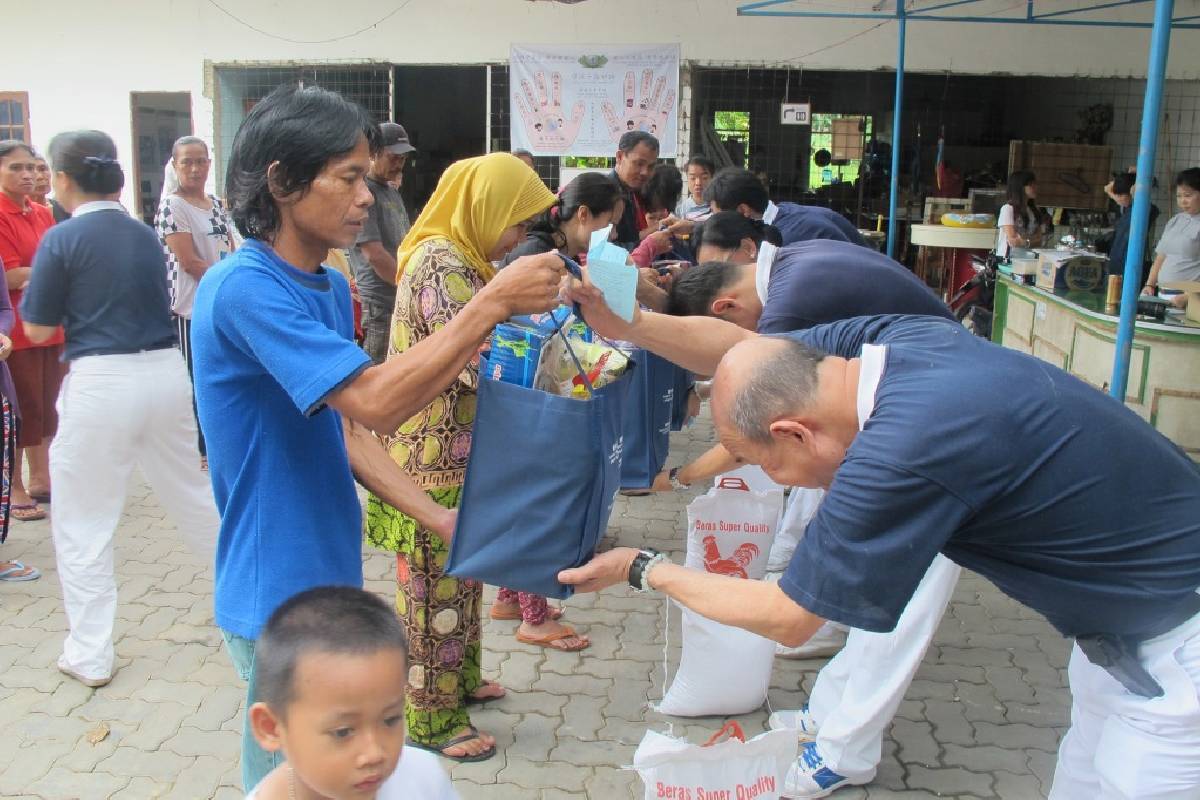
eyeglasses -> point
(188, 163)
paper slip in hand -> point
(615, 279)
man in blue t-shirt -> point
(286, 399)
(1021, 485)
(737, 189)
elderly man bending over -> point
(1066, 500)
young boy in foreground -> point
(331, 675)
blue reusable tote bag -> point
(684, 381)
(648, 420)
(540, 483)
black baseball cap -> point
(395, 138)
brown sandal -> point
(507, 616)
(548, 640)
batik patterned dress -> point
(441, 613)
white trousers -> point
(1123, 746)
(857, 693)
(116, 412)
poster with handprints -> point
(577, 100)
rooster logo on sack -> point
(734, 566)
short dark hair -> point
(692, 293)
(704, 162)
(328, 619)
(732, 186)
(595, 190)
(631, 139)
(663, 188)
(301, 129)
(1190, 178)
(1123, 182)
(9, 146)
(90, 159)
(727, 229)
(783, 381)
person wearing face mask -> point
(37, 369)
(481, 209)
(1178, 253)
(374, 254)
(587, 204)
(195, 233)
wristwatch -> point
(676, 484)
(646, 558)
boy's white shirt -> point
(419, 774)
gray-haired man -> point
(1024, 486)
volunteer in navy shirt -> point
(1064, 498)
(744, 280)
(127, 401)
(285, 396)
(737, 189)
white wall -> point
(94, 56)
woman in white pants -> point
(126, 400)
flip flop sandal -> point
(472, 733)
(507, 616)
(37, 512)
(40, 497)
(17, 572)
(636, 492)
(471, 700)
(547, 641)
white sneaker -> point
(801, 721)
(827, 641)
(810, 778)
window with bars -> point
(239, 88)
(14, 116)
(976, 116)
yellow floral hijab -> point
(475, 200)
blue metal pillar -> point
(892, 226)
(1160, 40)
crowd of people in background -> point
(304, 331)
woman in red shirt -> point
(37, 370)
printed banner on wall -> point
(577, 100)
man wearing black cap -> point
(374, 253)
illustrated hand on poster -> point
(547, 127)
(648, 114)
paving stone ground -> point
(982, 719)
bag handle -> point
(732, 728)
(733, 483)
(577, 272)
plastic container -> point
(514, 354)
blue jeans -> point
(256, 762)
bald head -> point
(760, 380)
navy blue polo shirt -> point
(103, 277)
(798, 223)
(825, 280)
(1063, 497)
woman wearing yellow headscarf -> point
(479, 211)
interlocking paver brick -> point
(953, 780)
(570, 720)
